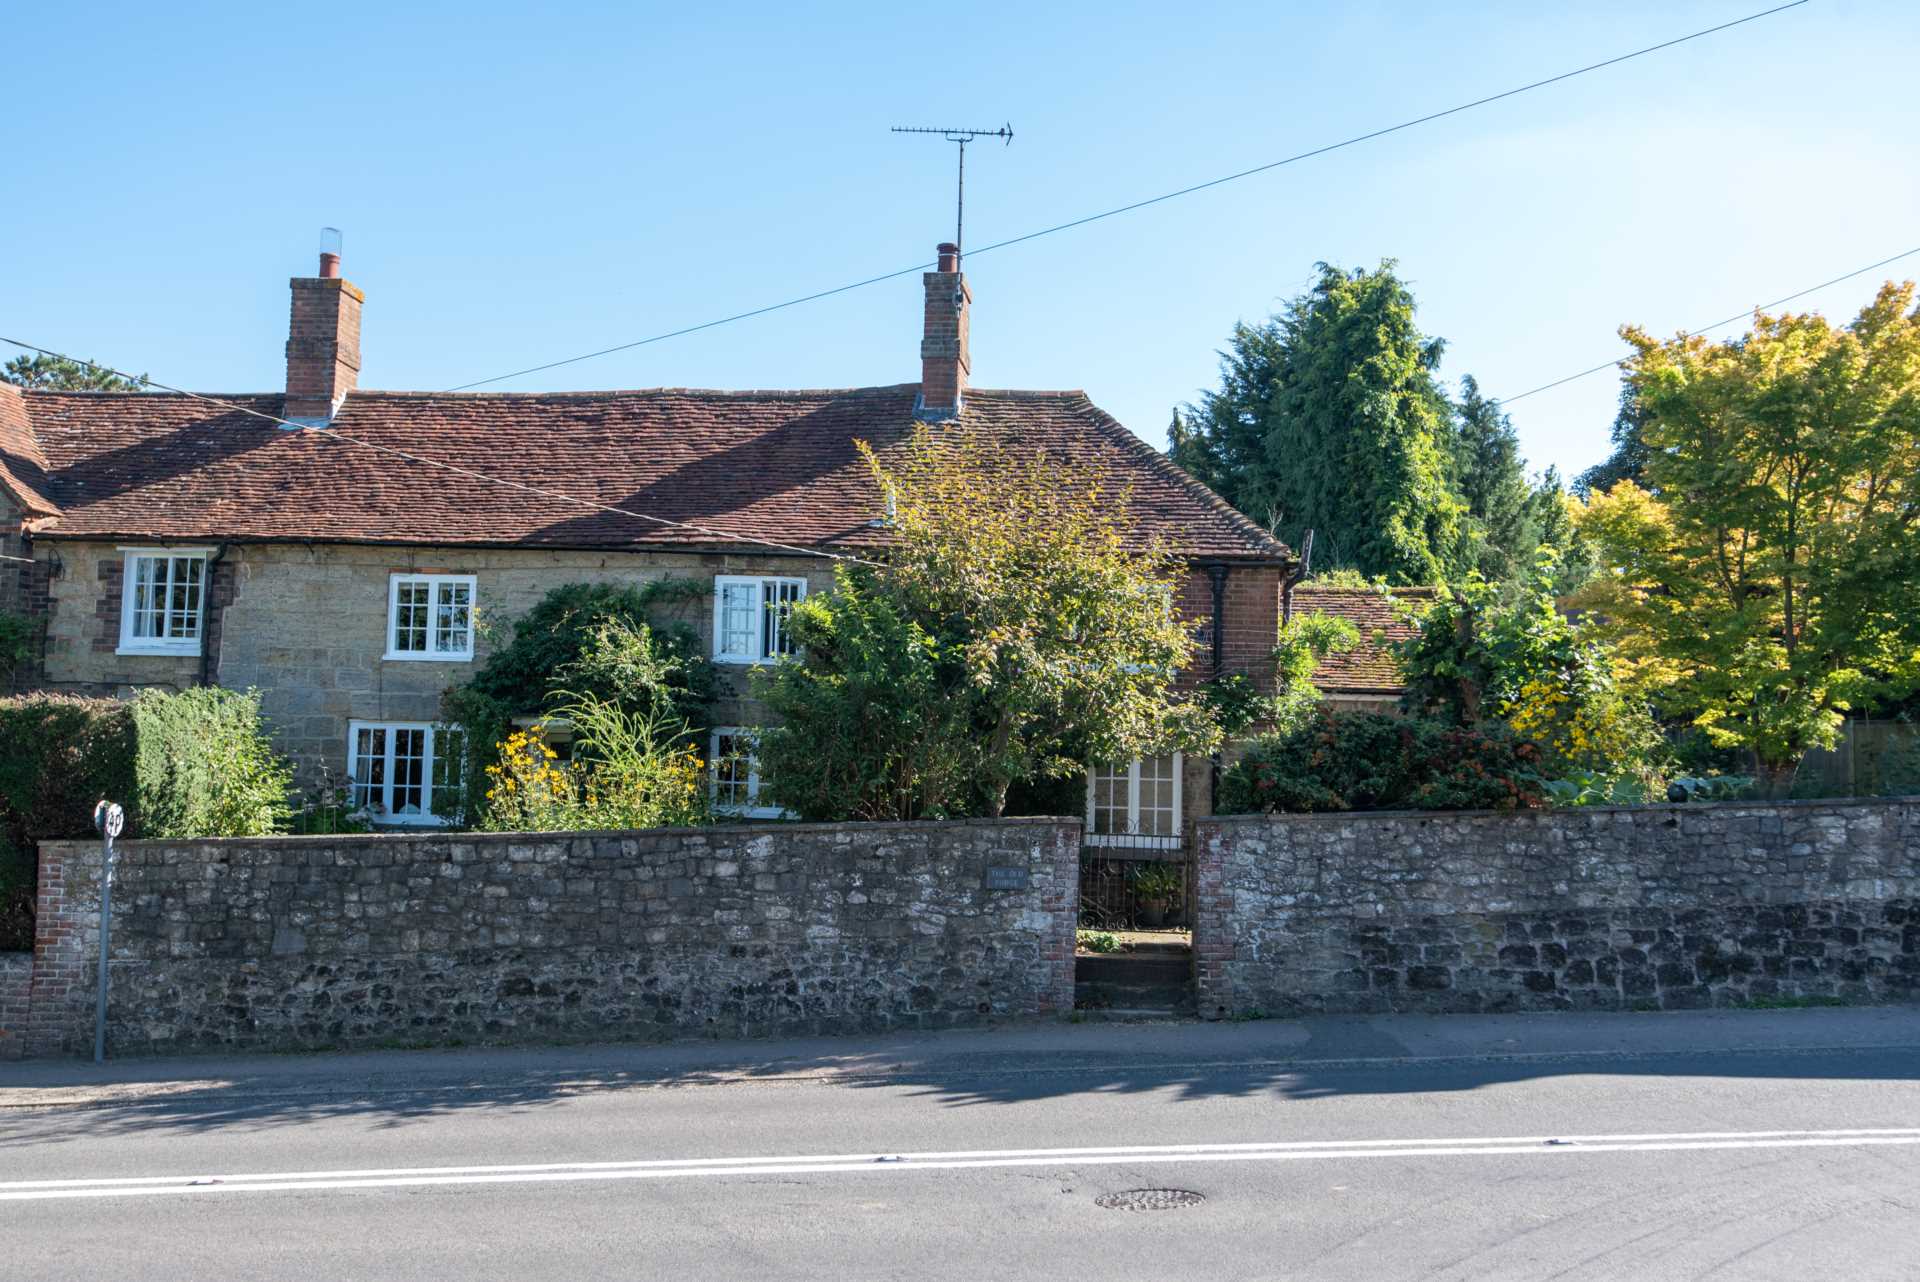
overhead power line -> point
(455, 468)
(1702, 329)
(1142, 204)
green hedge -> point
(1370, 761)
(58, 756)
(195, 764)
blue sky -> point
(519, 183)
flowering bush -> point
(626, 774)
(1369, 761)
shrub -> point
(628, 771)
(58, 756)
(204, 766)
(586, 639)
(1370, 761)
(195, 764)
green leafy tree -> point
(1485, 654)
(1628, 462)
(1016, 633)
(1767, 578)
(58, 374)
(1502, 510)
(1329, 416)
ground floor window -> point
(404, 772)
(1136, 803)
(734, 775)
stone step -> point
(1168, 969)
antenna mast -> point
(963, 137)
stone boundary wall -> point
(1651, 907)
(302, 942)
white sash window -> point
(750, 617)
(162, 601)
(397, 768)
(1135, 804)
(430, 616)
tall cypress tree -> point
(1491, 480)
(1329, 416)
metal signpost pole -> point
(108, 819)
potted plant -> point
(1154, 886)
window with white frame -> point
(162, 600)
(750, 617)
(404, 772)
(1136, 803)
(734, 774)
(430, 616)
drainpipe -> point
(206, 614)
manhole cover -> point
(1149, 1200)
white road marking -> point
(856, 1163)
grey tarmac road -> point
(1711, 1144)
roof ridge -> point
(1260, 539)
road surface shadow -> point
(411, 1094)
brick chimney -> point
(323, 342)
(943, 346)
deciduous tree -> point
(1016, 632)
(1771, 578)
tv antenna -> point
(963, 137)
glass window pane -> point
(369, 768)
(409, 771)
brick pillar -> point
(1213, 940)
(65, 942)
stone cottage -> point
(340, 549)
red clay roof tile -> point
(747, 465)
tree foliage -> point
(1371, 761)
(588, 641)
(1486, 654)
(1767, 576)
(1628, 461)
(1330, 416)
(1016, 633)
(58, 374)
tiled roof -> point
(749, 465)
(1368, 668)
(23, 468)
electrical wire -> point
(455, 468)
(1140, 204)
(1737, 316)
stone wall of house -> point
(306, 626)
(736, 931)
(1656, 907)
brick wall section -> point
(1661, 907)
(66, 949)
(16, 985)
(739, 931)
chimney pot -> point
(949, 254)
(329, 266)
